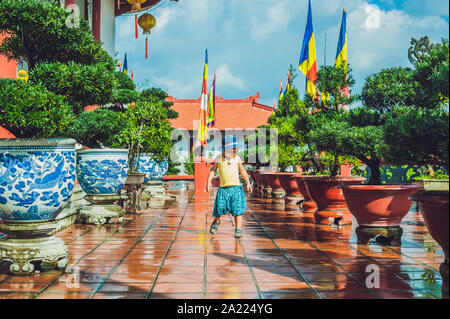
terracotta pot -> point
(328, 195)
(274, 183)
(434, 209)
(289, 183)
(379, 205)
(308, 205)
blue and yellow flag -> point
(202, 128)
(125, 65)
(341, 54)
(308, 62)
(212, 105)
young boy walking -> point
(230, 197)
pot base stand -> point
(102, 211)
(336, 217)
(384, 235)
(29, 248)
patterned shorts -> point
(229, 200)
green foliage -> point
(388, 88)
(355, 133)
(39, 33)
(333, 80)
(160, 95)
(125, 96)
(419, 136)
(29, 111)
(98, 128)
(124, 81)
(432, 77)
(147, 130)
(189, 165)
(81, 84)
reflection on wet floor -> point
(167, 252)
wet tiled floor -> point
(167, 252)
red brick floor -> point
(168, 252)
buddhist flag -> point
(341, 54)
(212, 105)
(308, 63)
(125, 65)
(202, 135)
(288, 82)
(274, 107)
(280, 96)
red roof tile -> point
(230, 114)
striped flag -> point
(212, 105)
(288, 82)
(280, 96)
(341, 54)
(308, 62)
(202, 135)
(274, 107)
(125, 65)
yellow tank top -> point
(229, 171)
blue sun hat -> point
(230, 143)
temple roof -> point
(244, 113)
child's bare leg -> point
(238, 220)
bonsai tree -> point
(32, 111)
(333, 83)
(419, 134)
(66, 60)
(293, 149)
(147, 130)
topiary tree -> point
(29, 111)
(40, 31)
(388, 88)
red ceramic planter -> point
(379, 205)
(434, 209)
(274, 183)
(308, 205)
(289, 183)
(328, 195)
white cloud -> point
(163, 18)
(226, 79)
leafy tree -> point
(157, 93)
(388, 88)
(419, 136)
(97, 128)
(38, 33)
(29, 111)
(81, 84)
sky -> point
(252, 43)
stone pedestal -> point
(268, 192)
(291, 202)
(384, 235)
(155, 189)
(278, 194)
(103, 210)
(29, 247)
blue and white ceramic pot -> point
(152, 169)
(102, 171)
(37, 177)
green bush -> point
(97, 128)
(31, 111)
(388, 88)
(39, 33)
(82, 84)
(419, 136)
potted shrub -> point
(37, 175)
(420, 135)
(323, 178)
(44, 107)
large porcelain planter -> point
(379, 205)
(330, 200)
(289, 183)
(308, 205)
(102, 171)
(37, 177)
(152, 169)
(434, 209)
(262, 184)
